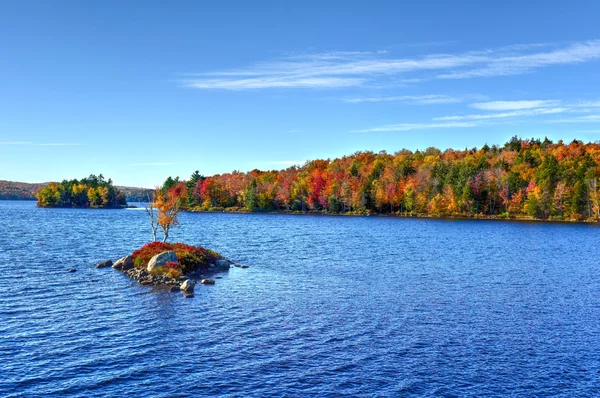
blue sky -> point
(140, 90)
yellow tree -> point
(169, 207)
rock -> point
(222, 263)
(161, 259)
(71, 270)
(174, 289)
(218, 277)
(104, 264)
(211, 265)
(146, 282)
(237, 265)
(207, 281)
(124, 263)
(244, 266)
(188, 294)
(188, 285)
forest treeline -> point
(12, 190)
(93, 191)
(522, 178)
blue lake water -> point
(330, 306)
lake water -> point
(330, 306)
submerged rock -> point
(71, 270)
(104, 264)
(174, 289)
(207, 281)
(161, 259)
(124, 263)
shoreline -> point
(409, 216)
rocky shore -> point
(153, 275)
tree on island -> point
(93, 191)
(168, 201)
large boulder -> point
(124, 263)
(161, 259)
(104, 264)
(188, 286)
(221, 265)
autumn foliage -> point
(523, 178)
(190, 257)
(93, 191)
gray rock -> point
(188, 294)
(244, 266)
(104, 264)
(237, 265)
(211, 265)
(174, 289)
(222, 263)
(188, 285)
(161, 259)
(207, 281)
(124, 263)
(71, 270)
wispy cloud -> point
(152, 164)
(412, 99)
(579, 119)
(417, 126)
(15, 143)
(530, 112)
(352, 69)
(514, 105)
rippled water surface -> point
(330, 306)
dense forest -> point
(10, 190)
(522, 178)
(93, 191)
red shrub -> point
(190, 257)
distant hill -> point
(136, 194)
(13, 190)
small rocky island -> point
(176, 266)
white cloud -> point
(579, 119)
(417, 126)
(530, 112)
(514, 105)
(413, 99)
(351, 69)
(15, 143)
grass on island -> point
(191, 258)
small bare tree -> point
(169, 206)
(151, 214)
